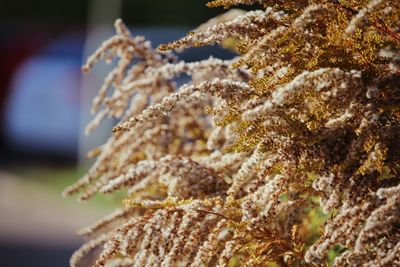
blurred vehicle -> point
(42, 109)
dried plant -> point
(279, 157)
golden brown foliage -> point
(234, 167)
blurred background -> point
(44, 106)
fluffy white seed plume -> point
(232, 166)
(189, 93)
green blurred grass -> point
(56, 179)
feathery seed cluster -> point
(286, 154)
